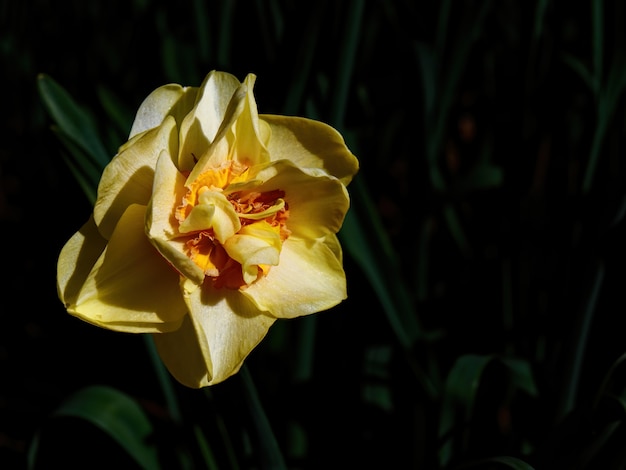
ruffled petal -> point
(255, 245)
(317, 204)
(214, 211)
(200, 127)
(310, 144)
(128, 178)
(131, 287)
(76, 260)
(308, 279)
(222, 329)
(161, 223)
(249, 136)
(168, 100)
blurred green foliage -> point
(483, 246)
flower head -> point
(211, 222)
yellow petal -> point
(249, 136)
(213, 341)
(220, 149)
(255, 244)
(131, 287)
(308, 279)
(214, 211)
(76, 259)
(128, 178)
(317, 204)
(161, 223)
(310, 144)
(200, 127)
(168, 100)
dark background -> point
(534, 270)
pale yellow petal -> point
(131, 286)
(317, 204)
(128, 178)
(200, 127)
(310, 144)
(76, 260)
(308, 279)
(222, 330)
(161, 222)
(220, 149)
(186, 355)
(214, 211)
(255, 244)
(168, 100)
(249, 145)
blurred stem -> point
(171, 400)
(227, 442)
(304, 59)
(579, 341)
(596, 145)
(164, 380)
(597, 29)
(271, 454)
(442, 27)
(346, 62)
(225, 33)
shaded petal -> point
(168, 100)
(317, 204)
(76, 260)
(186, 355)
(131, 287)
(308, 279)
(220, 149)
(200, 127)
(310, 144)
(213, 341)
(128, 178)
(161, 222)
(249, 136)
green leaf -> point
(459, 396)
(119, 114)
(363, 241)
(76, 123)
(521, 375)
(116, 414)
(461, 388)
(483, 177)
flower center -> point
(234, 232)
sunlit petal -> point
(128, 178)
(161, 223)
(255, 244)
(308, 279)
(310, 144)
(199, 128)
(168, 100)
(224, 326)
(249, 146)
(215, 212)
(317, 205)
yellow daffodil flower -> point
(211, 222)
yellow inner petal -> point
(233, 233)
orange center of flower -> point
(233, 231)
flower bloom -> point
(211, 222)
